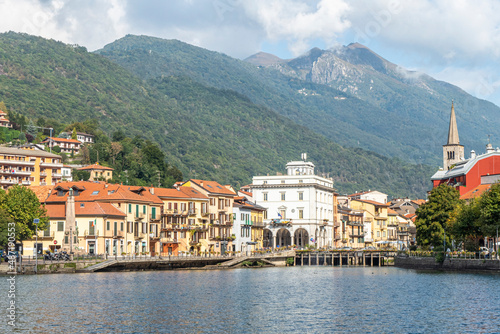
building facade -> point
(300, 207)
(28, 167)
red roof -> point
(179, 192)
(96, 167)
(62, 140)
(213, 187)
(476, 192)
(84, 209)
(42, 192)
(96, 191)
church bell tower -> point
(453, 152)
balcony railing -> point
(46, 235)
(337, 236)
(192, 212)
(166, 240)
(118, 234)
(15, 172)
(56, 175)
(354, 223)
(51, 164)
(205, 214)
(91, 233)
(16, 162)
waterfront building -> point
(105, 218)
(375, 220)
(28, 167)
(404, 206)
(466, 174)
(300, 207)
(185, 220)
(220, 210)
(247, 225)
(351, 232)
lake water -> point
(312, 299)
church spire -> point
(453, 131)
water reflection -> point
(272, 300)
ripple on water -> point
(272, 300)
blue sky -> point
(452, 40)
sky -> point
(456, 41)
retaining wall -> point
(429, 263)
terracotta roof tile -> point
(213, 187)
(476, 192)
(95, 166)
(62, 140)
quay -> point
(279, 258)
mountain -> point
(206, 132)
(419, 103)
(350, 95)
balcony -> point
(10, 181)
(336, 224)
(392, 224)
(57, 175)
(324, 221)
(337, 236)
(192, 212)
(46, 235)
(25, 183)
(92, 234)
(205, 214)
(140, 215)
(17, 162)
(15, 172)
(167, 240)
(358, 234)
(51, 164)
(140, 235)
(118, 234)
(354, 223)
(392, 237)
(43, 173)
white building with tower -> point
(301, 206)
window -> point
(144, 209)
(60, 226)
(301, 214)
(265, 214)
(282, 213)
(378, 234)
(301, 196)
(130, 208)
(265, 196)
(242, 216)
(121, 226)
(384, 234)
(153, 213)
(95, 192)
(283, 196)
(107, 225)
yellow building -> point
(375, 220)
(185, 221)
(29, 167)
(108, 219)
(220, 210)
(98, 172)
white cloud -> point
(298, 22)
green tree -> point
(489, 204)
(73, 134)
(466, 226)
(434, 216)
(22, 206)
(31, 129)
(4, 225)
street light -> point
(50, 135)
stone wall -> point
(429, 263)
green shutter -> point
(153, 213)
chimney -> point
(105, 185)
(152, 190)
(201, 183)
(489, 148)
(472, 154)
